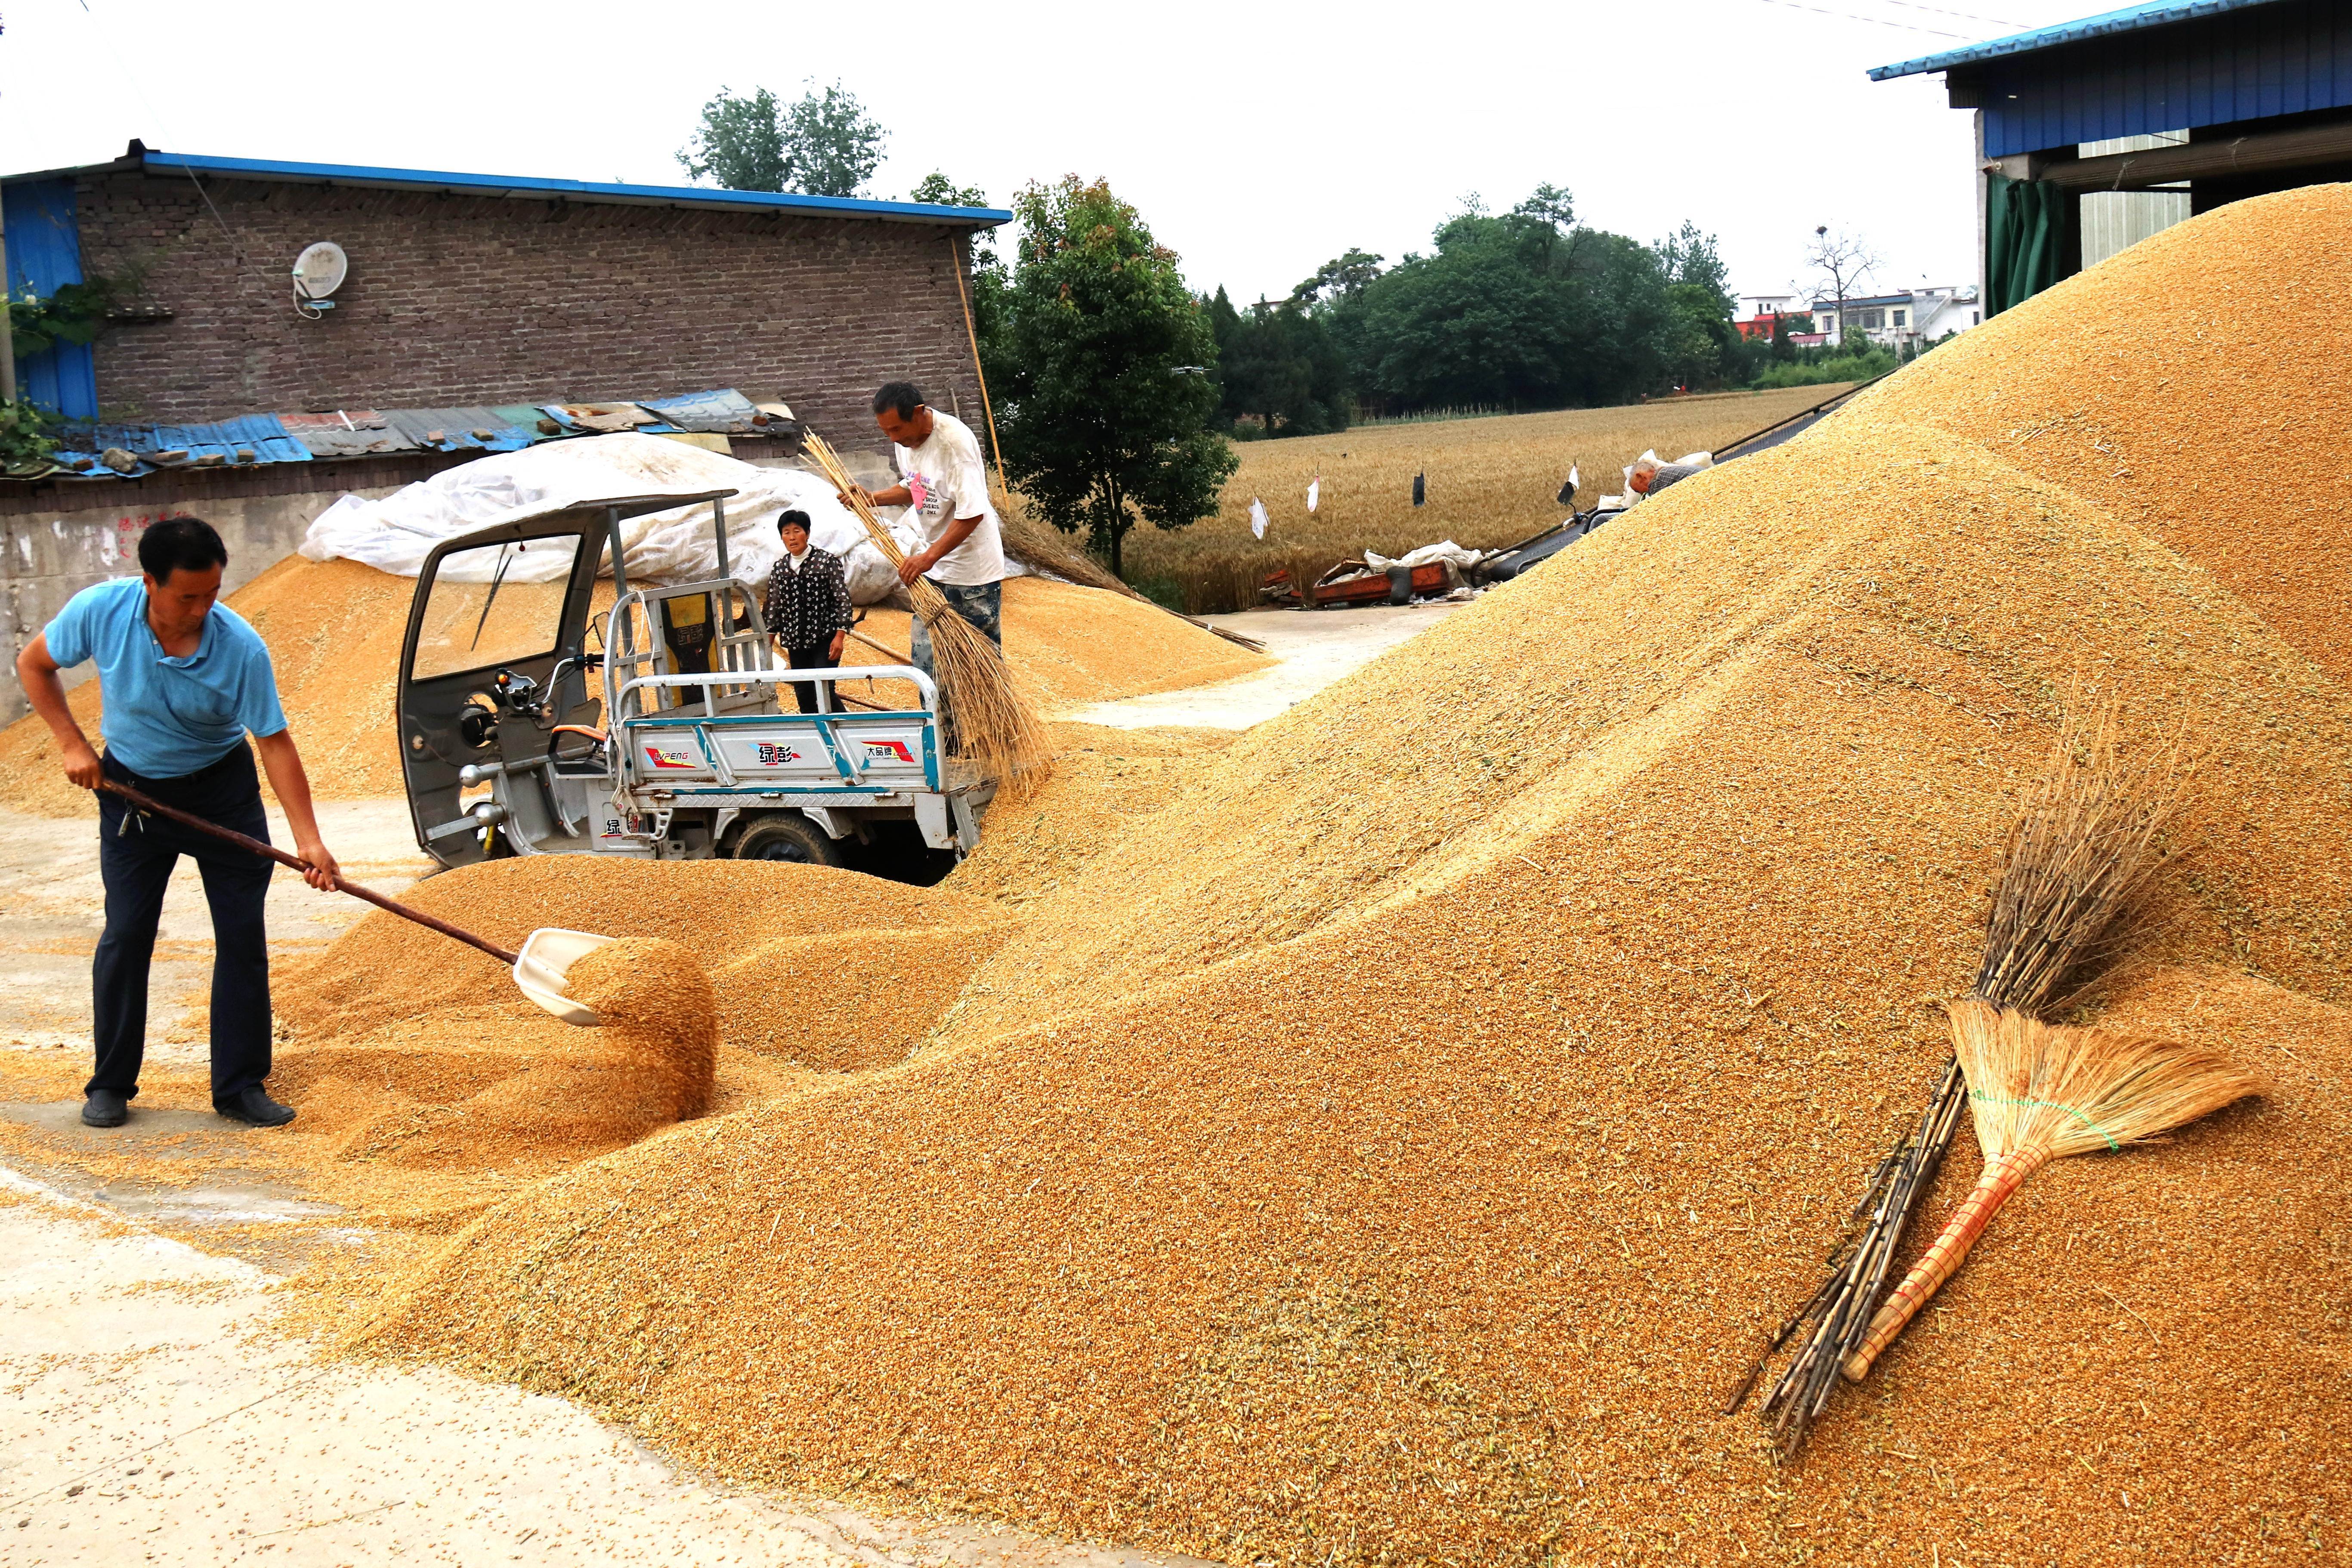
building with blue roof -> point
(2093, 134)
(465, 294)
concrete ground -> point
(158, 1414)
(155, 1416)
(1316, 648)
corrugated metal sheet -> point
(724, 412)
(605, 418)
(2247, 61)
(476, 429)
(251, 441)
(532, 421)
(347, 433)
(44, 253)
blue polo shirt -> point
(163, 716)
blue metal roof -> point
(2212, 63)
(568, 190)
(2131, 18)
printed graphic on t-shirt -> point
(927, 498)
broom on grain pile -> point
(994, 724)
(2080, 866)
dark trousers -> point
(135, 857)
(818, 657)
(981, 603)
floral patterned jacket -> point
(805, 608)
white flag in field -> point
(1314, 491)
(1257, 517)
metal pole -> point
(7, 332)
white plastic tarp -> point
(396, 533)
(1426, 556)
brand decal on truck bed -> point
(672, 757)
(875, 750)
(774, 754)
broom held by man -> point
(183, 680)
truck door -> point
(492, 663)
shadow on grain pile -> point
(1392, 1147)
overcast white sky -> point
(1258, 141)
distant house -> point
(1766, 312)
(1919, 316)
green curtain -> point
(2025, 239)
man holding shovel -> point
(183, 678)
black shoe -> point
(104, 1108)
(255, 1108)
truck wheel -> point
(785, 836)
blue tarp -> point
(43, 255)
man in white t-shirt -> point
(946, 484)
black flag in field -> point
(1419, 489)
(1567, 496)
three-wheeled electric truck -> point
(536, 718)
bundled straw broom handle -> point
(2002, 1178)
(342, 885)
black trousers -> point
(818, 657)
(135, 857)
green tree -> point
(940, 191)
(1521, 309)
(826, 144)
(1102, 406)
(1690, 258)
(1279, 364)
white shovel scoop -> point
(546, 959)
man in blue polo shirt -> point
(182, 679)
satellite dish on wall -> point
(320, 271)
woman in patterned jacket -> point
(808, 607)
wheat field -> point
(1492, 482)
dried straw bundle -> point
(995, 725)
(2078, 871)
(2040, 1093)
(2078, 868)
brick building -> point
(481, 289)
(464, 293)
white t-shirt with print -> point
(948, 482)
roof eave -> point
(2131, 19)
(528, 189)
(516, 188)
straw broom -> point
(994, 724)
(2041, 1092)
(2080, 865)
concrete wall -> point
(51, 556)
(462, 299)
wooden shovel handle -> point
(243, 841)
(2000, 1179)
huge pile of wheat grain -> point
(1391, 1148)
